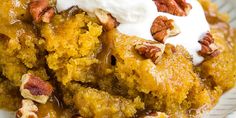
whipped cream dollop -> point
(136, 18)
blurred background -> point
(226, 108)
(228, 6)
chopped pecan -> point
(72, 11)
(175, 7)
(107, 20)
(28, 110)
(209, 48)
(35, 88)
(163, 28)
(41, 11)
(156, 115)
(3, 36)
(76, 116)
(151, 50)
(170, 49)
(48, 15)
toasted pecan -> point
(163, 28)
(155, 115)
(41, 11)
(208, 46)
(107, 20)
(48, 15)
(35, 88)
(28, 110)
(175, 7)
(151, 51)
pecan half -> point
(163, 28)
(28, 110)
(107, 20)
(175, 7)
(151, 51)
(209, 48)
(41, 11)
(35, 88)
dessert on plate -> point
(114, 58)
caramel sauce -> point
(54, 108)
(105, 56)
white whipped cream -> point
(136, 18)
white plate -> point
(7, 114)
(227, 103)
(226, 106)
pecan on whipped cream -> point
(175, 7)
(209, 48)
(163, 28)
(107, 20)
